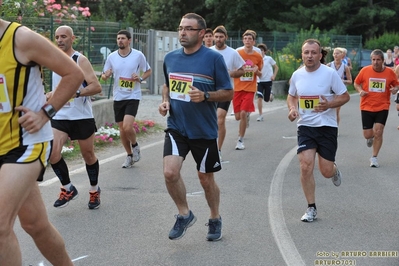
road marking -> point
(80, 258)
(104, 161)
(278, 226)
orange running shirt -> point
(247, 82)
(378, 85)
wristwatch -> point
(141, 79)
(206, 96)
(49, 110)
(77, 93)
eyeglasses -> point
(187, 29)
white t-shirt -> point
(75, 108)
(267, 70)
(232, 59)
(308, 87)
(123, 68)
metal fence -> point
(96, 39)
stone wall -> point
(280, 88)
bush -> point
(386, 41)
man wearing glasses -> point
(196, 78)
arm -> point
(222, 95)
(358, 88)
(275, 71)
(348, 75)
(237, 73)
(292, 103)
(93, 85)
(164, 107)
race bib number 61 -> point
(179, 86)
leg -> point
(87, 150)
(307, 161)
(260, 105)
(174, 183)
(128, 134)
(338, 117)
(221, 127)
(23, 198)
(34, 221)
(378, 133)
(59, 140)
(243, 123)
(327, 168)
(212, 193)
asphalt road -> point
(261, 203)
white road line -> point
(278, 226)
(109, 159)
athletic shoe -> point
(370, 142)
(240, 145)
(248, 118)
(136, 154)
(94, 202)
(374, 162)
(336, 179)
(232, 113)
(309, 215)
(260, 118)
(128, 162)
(214, 229)
(65, 197)
(181, 225)
(271, 97)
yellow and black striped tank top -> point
(19, 85)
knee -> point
(5, 231)
(171, 175)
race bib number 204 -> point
(179, 86)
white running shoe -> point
(260, 118)
(309, 215)
(374, 162)
(128, 162)
(240, 145)
(370, 142)
(136, 154)
(336, 179)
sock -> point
(68, 187)
(92, 172)
(312, 205)
(240, 139)
(130, 155)
(61, 170)
(186, 216)
(134, 145)
(94, 188)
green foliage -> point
(387, 40)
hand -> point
(163, 108)
(323, 105)
(135, 77)
(31, 121)
(363, 93)
(293, 114)
(49, 95)
(108, 73)
(196, 95)
(394, 89)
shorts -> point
(323, 139)
(264, 90)
(205, 151)
(224, 105)
(76, 129)
(243, 101)
(29, 154)
(370, 118)
(125, 107)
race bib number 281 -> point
(179, 86)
